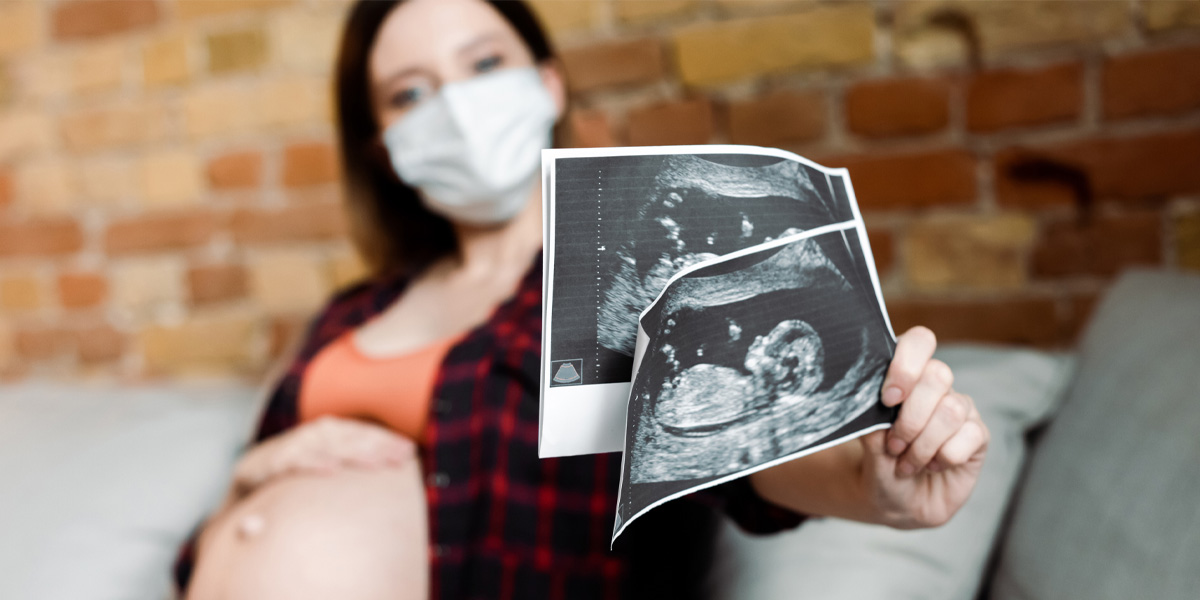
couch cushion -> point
(1111, 507)
(101, 484)
(834, 559)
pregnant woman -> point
(397, 457)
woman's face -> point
(425, 44)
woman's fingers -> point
(933, 384)
(913, 350)
(949, 416)
(970, 439)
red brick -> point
(6, 188)
(670, 123)
(85, 19)
(81, 290)
(1161, 82)
(1014, 97)
(590, 129)
(910, 180)
(1130, 168)
(777, 119)
(309, 221)
(1014, 320)
(898, 107)
(216, 283)
(883, 248)
(612, 64)
(43, 343)
(99, 344)
(1101, 247)
(40, 238)
(309, 164)
(235, 170)
(160, 232)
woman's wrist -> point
(828, 483)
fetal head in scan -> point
(752, 364)
(695, 210)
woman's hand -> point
(321, 447)
(921, 471)
(916, 474)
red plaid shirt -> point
(502, 522)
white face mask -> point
(474, 150)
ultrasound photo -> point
(625, 224)
(620, 223)
(754, 359)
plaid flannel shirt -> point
(504, 523)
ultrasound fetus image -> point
(754, 359)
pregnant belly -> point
(306, 536)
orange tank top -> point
(393, 391)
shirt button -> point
(438, 550)
(439, 480)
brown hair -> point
(391, 228)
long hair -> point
(391, 228)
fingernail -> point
(905, 469)
(891, 395)
(896, 446)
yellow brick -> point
(23, 133)
(123, 124)
(170, 178)
(975, 252)
(165, 60)
(293, 101)
(219, 110)
(8, 350)
(97, 68)
(48, 187)
(22, 23)
(197, 9)
(233, 51)
(564, 16)
(1012, 26)
(45, 75)
(345, 268)
(933, 48)
(7, 87)
(108, 181)
(307, 41)
(831, 36)
(640, 11)
(209, 344)
(144, 287)
(23, 291)
(1187, 241)
(288, 281)
(1171, 14)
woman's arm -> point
(917, 474)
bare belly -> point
(356, 534)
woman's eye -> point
(487, 64)
(406, 97)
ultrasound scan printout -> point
(751, 360)
(710, 311)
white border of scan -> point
(783, 241)
(585, 425)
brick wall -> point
(168, 186)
